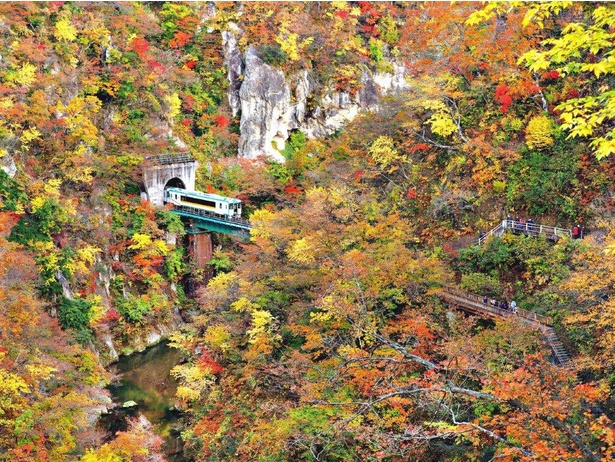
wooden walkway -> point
(474, 304)
(529, 229)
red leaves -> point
(179, 40)
(342, 14)
(503, 97)
(551, 75)
(190, 64)
(418, 147)
(111, 316)
(574, 93)
(222, 121)
(207, 363)
(292, 190)
(187, 122)
(140, 46)
(155, 65)
(411, 193)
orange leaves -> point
(179, 40)
(221, 121)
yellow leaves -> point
(538, 134)
(195, 381)
(78, 117)
(441, 123)
(383, 151)
(603, 147)
(102, 454)
(24, 76)
(40, 371)
(604, 16)
(11, 388)
(175, 104)
(29, 135)
(85, 258)
(97, 310)
(330, 308)
(140, 241)
(320, 317)
(64, 31)
(260, 220)
(534, 60)
(288, 43)
(186, 394)
(243, 305)
(217, 337)
(262, 324)
(222, 282)
(301, 251)
(539, 12)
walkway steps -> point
(474, 304)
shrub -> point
(11, 195)
(272, 54)
(479, 283)
(539, 133)
(74, 314)
(133, 309)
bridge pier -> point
(200, 248)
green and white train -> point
(212, 203)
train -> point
(225, 206)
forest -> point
(409, 128)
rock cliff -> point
(270, 110)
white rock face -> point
(8, 165)
(268, 113)
(234, 67)
(265, 102)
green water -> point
(145, 379)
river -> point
(145, 378)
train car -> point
(213, 203)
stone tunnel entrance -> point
(165, 171)
(175, 183)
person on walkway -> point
(504, 305)
(515, 226)
(513, 306)
(509, 222)
(576, 231)
(485, 300)
(530, 224)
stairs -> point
(474, 304)
(558, 348)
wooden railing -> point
(497, 311)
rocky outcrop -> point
(265, 102)
(269, 110)
(107, 349)
(234, 66)
(8, 165)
